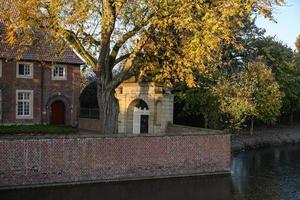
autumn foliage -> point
(112, 36)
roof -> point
(40, 53)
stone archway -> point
(138, 117)
(58, 110)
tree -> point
(297, 43)
(110, 35)
(251, 93)
(198, 103)
(282, 60)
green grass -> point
(34, 129)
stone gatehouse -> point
(144, 108)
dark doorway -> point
(58, 113)
(144, 123)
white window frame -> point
(30, 76)
(0, 69)
(59, 78)
(31, 98)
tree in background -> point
(282, 60)
(249, 94)
(110, 36)
(199, 103)
(297, 43)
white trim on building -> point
(24, 104)
(59, 72)
(24, 70)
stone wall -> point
(69, 159)
(159, 102)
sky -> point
(287, 27)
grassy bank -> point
(264, 137)
(34, 129)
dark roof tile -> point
(38, 53)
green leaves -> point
(251, 92)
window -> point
(24, 106)
(59, 72)
(0, 68)
(24, 70)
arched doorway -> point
(138, 117)
(58, 113)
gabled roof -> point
(41, 53)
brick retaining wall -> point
(38, 161)
(89, 124)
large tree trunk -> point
(108, 110)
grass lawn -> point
(34, 129)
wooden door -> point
(58, 113)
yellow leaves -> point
(188, 37)
(297, 43)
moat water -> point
(266, 174)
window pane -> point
(26, 96)
(55, 72)
(20, 96)
(21, 69)
(27, 69)
(26, 108)
(61, 71)
(20, 108)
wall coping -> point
(118, 136)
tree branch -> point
(76, 44)
(125, 37)
(129, 69)
(121, 58)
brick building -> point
(39, 88)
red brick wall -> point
(68, 88)
(61, 160)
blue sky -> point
(287, 27)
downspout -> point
(42, 92)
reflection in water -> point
(269, 174)
(166, 189)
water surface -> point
(267, 174)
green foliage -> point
(200, 102)
(252, 92)
(297, 43)
(283, 62)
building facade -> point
(39, 91)
(145, 108)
